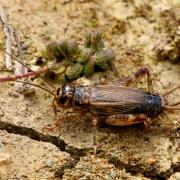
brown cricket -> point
(120, 104)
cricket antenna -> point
(28, 68)
(172, 106)
(23, 82)
(170, 91)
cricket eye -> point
(63, 98)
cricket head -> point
(63, 97)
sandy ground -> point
(32, 147)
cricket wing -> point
(112, 99)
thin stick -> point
(20, 76)
(19, 68)
(8, 34)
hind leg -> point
(131, 81)
(125, 119)
(128, 119)
(95, 122)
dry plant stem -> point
(8, 34)
(19, 67)
(20, 76)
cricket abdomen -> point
(152, 106)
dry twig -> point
(20, 69)
(7, 31)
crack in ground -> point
(78, 153)
(59, 143)
(33, 134)
(150, 172)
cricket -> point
(121, 104)
(89, 89)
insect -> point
(120, 104)
(117, 105)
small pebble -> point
(112, 174)
(151, 161)
(175, 176)
(107, 177)
(1, 144)
(25, 46)
(5, 159)
(49, 162)
(85, 158)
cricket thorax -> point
(81, 96)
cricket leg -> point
(60, 119)
(132, 80)
(53, 105)
(94, 122)
(126, 119)
(147, 124)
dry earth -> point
(141, 33)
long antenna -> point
(175, 104)
(28, 68)
(23, 82)
(173, 108)
(170, 91)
